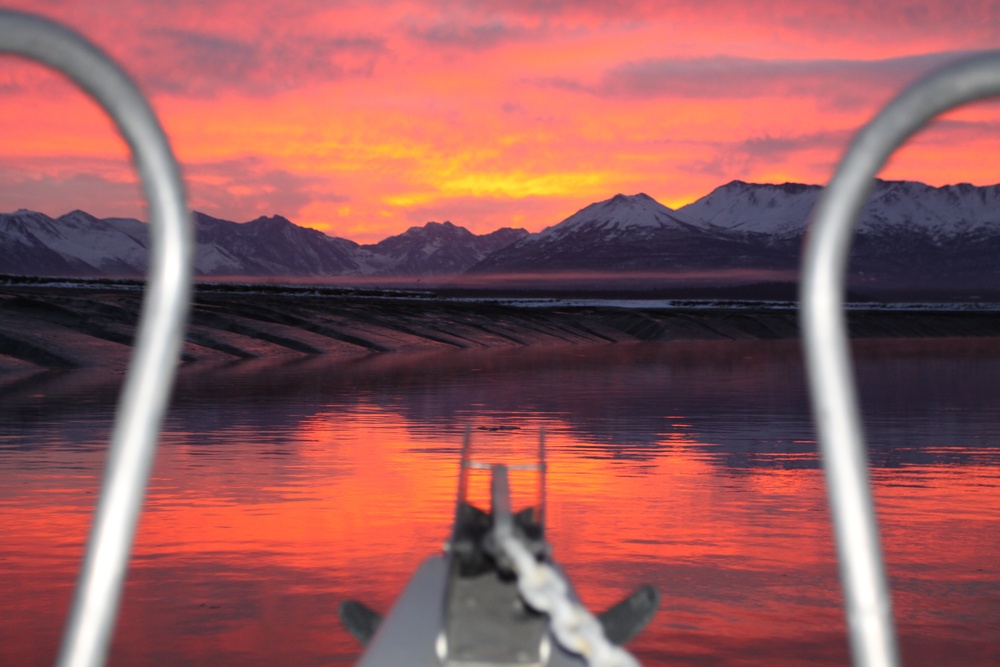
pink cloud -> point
(366, 118)
(843, 82)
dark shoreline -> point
(48, 327)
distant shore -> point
(91, 326)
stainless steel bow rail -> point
(828, 361)
(159, 335)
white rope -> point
(546, 590)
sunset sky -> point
(365, 118)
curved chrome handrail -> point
(828, 360)
(159, 335)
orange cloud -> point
(364, 122)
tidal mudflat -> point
(53, 327)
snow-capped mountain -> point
(75, 244)
(617, 217)
(898, 206)
(750, 208)
(908, 234)
(78, 244)
(624, 233)
(271, 246)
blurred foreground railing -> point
(158, 338)
(828, 360)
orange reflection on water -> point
(354, 493)
(372, 502)
(258, 527)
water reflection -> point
(282, 488)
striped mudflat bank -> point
(93, 326)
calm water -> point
(282, 488)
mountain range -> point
(909, 234)
(79, 244)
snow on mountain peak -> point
(939, 212)
(779, 209)
(784, 210)
(738, 225)
(620, 214)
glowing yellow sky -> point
(365, 118)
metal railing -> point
(159, 335)
(828, 359)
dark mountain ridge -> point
(79, 244)
(910, 235)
